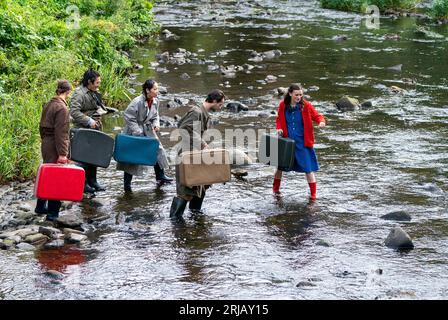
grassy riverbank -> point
(360, 5)
(438, 9)
(42, 41)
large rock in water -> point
(69, 220)
(397, 216)
(399, 239)
(236, 107)
(348, 104)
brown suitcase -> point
(204, 167)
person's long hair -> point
(287, 99)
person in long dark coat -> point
(196, 115)
(53, 128)
(86, 110)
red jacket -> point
(309, 114)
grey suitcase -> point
(91, 147)
(277, 151)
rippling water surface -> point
(249, 244)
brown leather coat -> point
(54, 126)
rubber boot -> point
(160, 175)
(195, 204)
(177, 207)
(41, 207)
(276, 185)
(127, 182)
(93, 182)
(313, 190)
(87, 188)
(53, 209)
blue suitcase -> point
(91, 147)
(136, 149)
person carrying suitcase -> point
(195, 122)
(295, 121)
(142, 119)
(53, 129)
(86, 110)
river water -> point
(390, 157)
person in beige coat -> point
(142, 119)
(53, 128)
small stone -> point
(75, 238)
(54, 244)
(53, 233)
(36, 238)
(185, 76)
(163, 90)
(23, 233)
(8, 243)
(68, 230)
(396, 68)
(25, 207)
(397, 216)
(281, 91)
(396, 89)
(322, 243)
(68, 220)
(347, 104)
(25, 246)
(55, 274)
(366, 105)
(138, 66)
(239, 173)
(399, 239)
(302, 284)
(271, 78)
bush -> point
(439, 9)
(37, 48)
(360, 5)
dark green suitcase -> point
(91, 147)
(277, 151)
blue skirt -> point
(305, 158)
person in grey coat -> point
(142, 119)
(86, 110)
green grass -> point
(360, 5)
(37, 48)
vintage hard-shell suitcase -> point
(204, 167)
(277, 151)
(136, 149)
(59, 182)
(91, 147)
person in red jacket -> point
(295, 121)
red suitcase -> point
(59, 182)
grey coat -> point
(141, 121)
